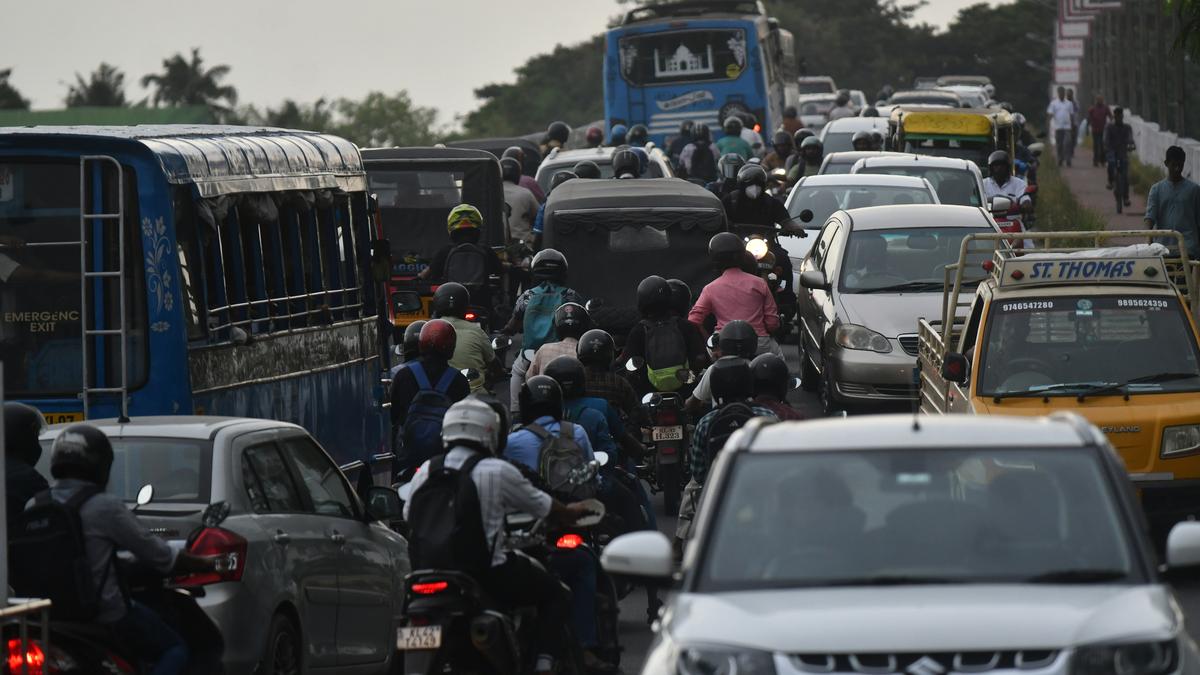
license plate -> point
(62, 417)
(418, 637)
(674, 433)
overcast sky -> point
(439, 50)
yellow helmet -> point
(463, 216)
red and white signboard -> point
(1068, 48)
(1066, 71)
(1102, 4)
(1074, 29)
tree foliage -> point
(104, 87)
(10, 98)
(378, 120)
(187, 82)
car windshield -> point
(816, 87)
(838, 142)
(683, 56)
(1072, 345)
(953, 186)
(817, 107)
(823, 200)
(960, 148)
(924, 99)
(179, 469)
(872, 518)
(911, 259)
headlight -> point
(1139, 658)
(757, 248)
(851, 336)
(724, 661)
(1180, 440)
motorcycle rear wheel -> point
(672, 487)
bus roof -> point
(693, 9)
(216, 159)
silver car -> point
(317, 581)
(870, 275)
(957, 181)
(657, 166)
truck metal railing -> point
(931, 386)
(31, 655)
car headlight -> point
(1138, 658)
(851, 336)
(1180, 440)
(724, 661)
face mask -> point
(753, 191)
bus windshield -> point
(683, 56)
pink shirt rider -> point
(737, 295)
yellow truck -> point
(1106, 331)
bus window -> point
(683, 56)
(191, 275)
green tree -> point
(188, 82)
(292, 115)
(380, 120)
(10, 98)
(104, 87)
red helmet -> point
(595, 136)
(438, 339)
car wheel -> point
(284, 653)
(808, 372)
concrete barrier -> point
(1152, 144)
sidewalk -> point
(1087, 184)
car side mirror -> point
(955, 367)
(806, 216)
(1000, 204)
(645, 554)
(1183, 545)
(814, 279)
(383, 504)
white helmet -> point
(989, 89)
(471, 421)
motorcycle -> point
(668, 436)
(761, 245)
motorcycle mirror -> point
(500, 343)
(145, 494)
(601, 457)
(713, 342)
(471, 374)
(593, 304)
(528, 354)
(795, 383)
(398, 350)
(806, 216)
(647, 399)
(635, 364)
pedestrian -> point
(1074, 123)
(1058, 120)
(1118, 141)
(1098, 116)
(1174, 203)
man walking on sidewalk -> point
(1058, 115)
(1174, 203)
(1118, 140)
(1098, 116)
(1074, 138)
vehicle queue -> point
(459, 432)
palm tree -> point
(104, 87)
(185, 82)
(10, 98)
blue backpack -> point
(538, 326)
(421, 436)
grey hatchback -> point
(316, 582)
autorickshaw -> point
(966, 133)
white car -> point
(929, 546)
(972, 96)
(814, 109)
(659, 165)
(838, 134)
(957, 181)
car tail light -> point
(29, 655)
(430, 588)
(569, 541)
(230, 550)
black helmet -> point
(22, 426)
(752, 174)
(587, 169)
(861, 140)
(729, 165)
(561, 177)
(82, 451)
(514, 151)
(731, 380)
(790, 112)
(571, 320)
(801, 134)
(681, 297)
(770, 375)
(596, 348)
(510, 168)
(812, 142)
(501, 411)
(876, 139)
(998, 157)
(558, 131)
(653, 295)
(626, 163)
(638, 135)
(781, 139)
(725, 250)
(686, 127)
(568, 372)
(549, 265)
(703, 133)
(732, 125)
(451, 299)
(737, 338)
(540, 395)
(870, 111)
(412, 340)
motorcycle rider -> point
(22, 426)
(594, 137)
(751, 204)
(861, 141)
(654, 306)
(526, 181)
(777, 158)
(1000, 182)
(410, 347)
(586, 169)
(81, 459)
(470, 432)
(727, 171)
(750, 133)
(675, 149)
(472, 348)
(638, 136)
(808, 162)
(791, 120)
(539, 224)
(464, 224)
(626, 164)
(571, 321)
(699, 158)
(521, 202)
(557, 135)
(738, 339)
(432, 368)
(616, 135)
(771, 384)
(732, 141)
(597, 353)
(736, 294)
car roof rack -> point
(693, 9)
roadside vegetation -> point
(1057, 208)
(1143, 176)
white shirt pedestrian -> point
(1061, 111)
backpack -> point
(48, 556)
(467, 265)
(726, 420)
(421, 436)
(445, 521)
(558, 456)
(703, 164)
(666, 354)
(538, 327)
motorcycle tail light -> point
(230, 550)
(29, 655)
(471, 316)
(569, 541)
(430, 588)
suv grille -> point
(925, 664)
(910, 344)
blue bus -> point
(698, 60)
(178, 270)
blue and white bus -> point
(178, 270)
(698, 60)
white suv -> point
(918, 546)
